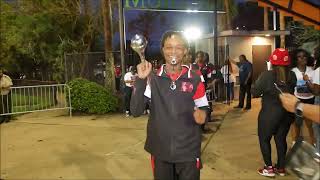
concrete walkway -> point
(233, 152)
(53, 146)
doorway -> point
(260, 54)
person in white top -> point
(5, 97)
(229, 80)
(129, 79)
(301, 63)
(315, 88)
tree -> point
(301, 34)
(36, 34)
(231, 11)
(144, 23)
(107, 18)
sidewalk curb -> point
(218, 127)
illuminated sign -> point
(200, 5)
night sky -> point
(181, 20)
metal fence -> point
(92, 65)
(24, 99)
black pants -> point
(245, 89)
(274, 123)
(5, 107)
(127, 97)
(176, 171)
(118, 84)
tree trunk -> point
(107, 19)
(228, 15)
(282, 28)
(86, 7)
(265, 19)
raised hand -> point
(144, 69)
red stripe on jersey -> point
(175, 76)
(200, 92)
(159, 70)
(152, 164)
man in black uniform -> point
(177, 97)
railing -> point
(24, 99)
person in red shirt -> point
(117, 73)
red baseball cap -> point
(280, 57)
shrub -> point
(90, 97)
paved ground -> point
(53, 146)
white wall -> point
(237, 45)
(206, 45)
(243, 45)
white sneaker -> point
(127, 114)
(267, 171)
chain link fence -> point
(92, 65)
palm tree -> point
(231, 11)
(107, 21)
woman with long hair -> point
(302, 66)
(274, 120)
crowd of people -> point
(175, 95)
(292, 84)
(179, 107)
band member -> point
(178, 106)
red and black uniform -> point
(117, 73)
(205, 73)
(173, 136)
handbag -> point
(303, 160)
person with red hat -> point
(273, 119)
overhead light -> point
(192, 11)
(259, 40)
(192, 33)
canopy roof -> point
(300, 10)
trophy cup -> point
(139, 44)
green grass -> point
(22, 103)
